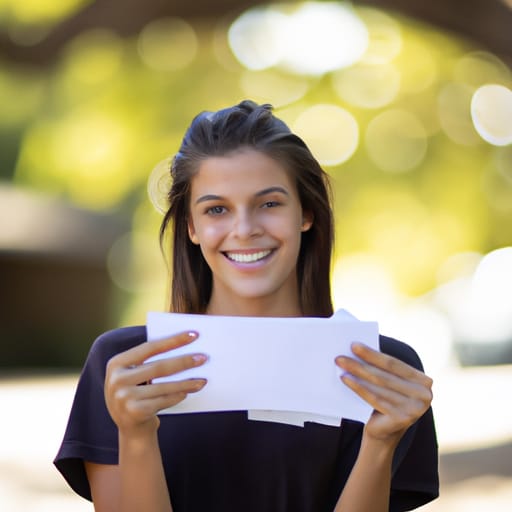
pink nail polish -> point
(199, 358)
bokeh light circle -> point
(311, 38)
(491, 111)
(254, 38)
(93, 57)
(454, 110)
(159, 184)
(367, 86)
(134, 262)
(331, 132)
(503, 162)
(270, 86)
(490, 298)
(497, 188)
(385, 38)
(167, 44)
(322, 37)
(480, 68)
(396, 141)
(493, 278)
(418, 65)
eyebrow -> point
(264, 192)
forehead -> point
(247, 169)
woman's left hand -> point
(399, 393)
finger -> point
(148, 400)
(390, 364)
(386, 400)
(136, 399)
(137, 355)
(401, 416)
(383, 379)
(356, 385)
(147, 408)
(161, 368)
(168, 388)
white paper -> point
(269, 364)
(298, 419)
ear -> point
(307, 221)
(192, 232)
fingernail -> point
(199, 383)
(199, 358)
(192, 334)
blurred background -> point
(408, 106)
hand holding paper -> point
(278, 364)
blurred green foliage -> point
(37, 12)
(91, 129)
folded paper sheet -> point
(269, 364)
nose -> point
(246, 225)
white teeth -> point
(247, 258)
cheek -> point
(287, 232)
(287, 225)
(209, 234)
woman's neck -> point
(261, 307)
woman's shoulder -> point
(117, 340)
(401, 351)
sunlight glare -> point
(311, 39)
(322, 37)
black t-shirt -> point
(225, 462)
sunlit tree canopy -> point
(412, 123)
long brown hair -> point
(248, 125)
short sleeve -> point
(415, 479)
(90, 433)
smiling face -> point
(246, 216)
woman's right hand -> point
(132, 400)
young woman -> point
(252, 236)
